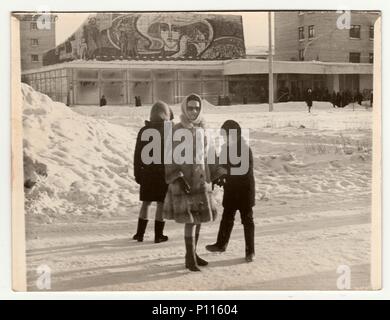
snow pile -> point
(88, 161)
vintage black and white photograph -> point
(198, 150)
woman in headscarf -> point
(189, 199)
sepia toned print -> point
(102, 110)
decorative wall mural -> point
(176, 35)
(165, 36)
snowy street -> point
(312, 214)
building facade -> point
(154, 56)
(324, 36)
(37, 36)
(241, 80)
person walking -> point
(309, 99)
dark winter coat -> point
(150, 177)
(309, 99)
(103, 101)
(239, 190)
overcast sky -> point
(255, 26)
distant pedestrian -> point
(138, 102)
(103, 101)
(309, 99)
(338, 100)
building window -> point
(34, 58)
(301, 54)
(354, 32)
(34, 42)
(311, 32)
(301, 34)
(33, 26)
(371, 57)
(371, 32)
(354, 57)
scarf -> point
(184, 118)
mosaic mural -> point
(166, 36)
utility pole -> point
(270, 71)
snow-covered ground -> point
(313, 192)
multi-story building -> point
(37, 35)
(326, 36)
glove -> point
(219, 181)
(184, 185)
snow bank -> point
(89, 161)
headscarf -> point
(184, 117)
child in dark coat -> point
(151, 177)
(239, 194)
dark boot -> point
(190, 254)
(141, 227)
(249, 233)
(158, 232)
(224, 232)
(201, 262)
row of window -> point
(354, 32)
(353, 56)
(301, 32)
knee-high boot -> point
(158, 232)
(141, 227)
(249, 234)
(190, 257)
(201, 262)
